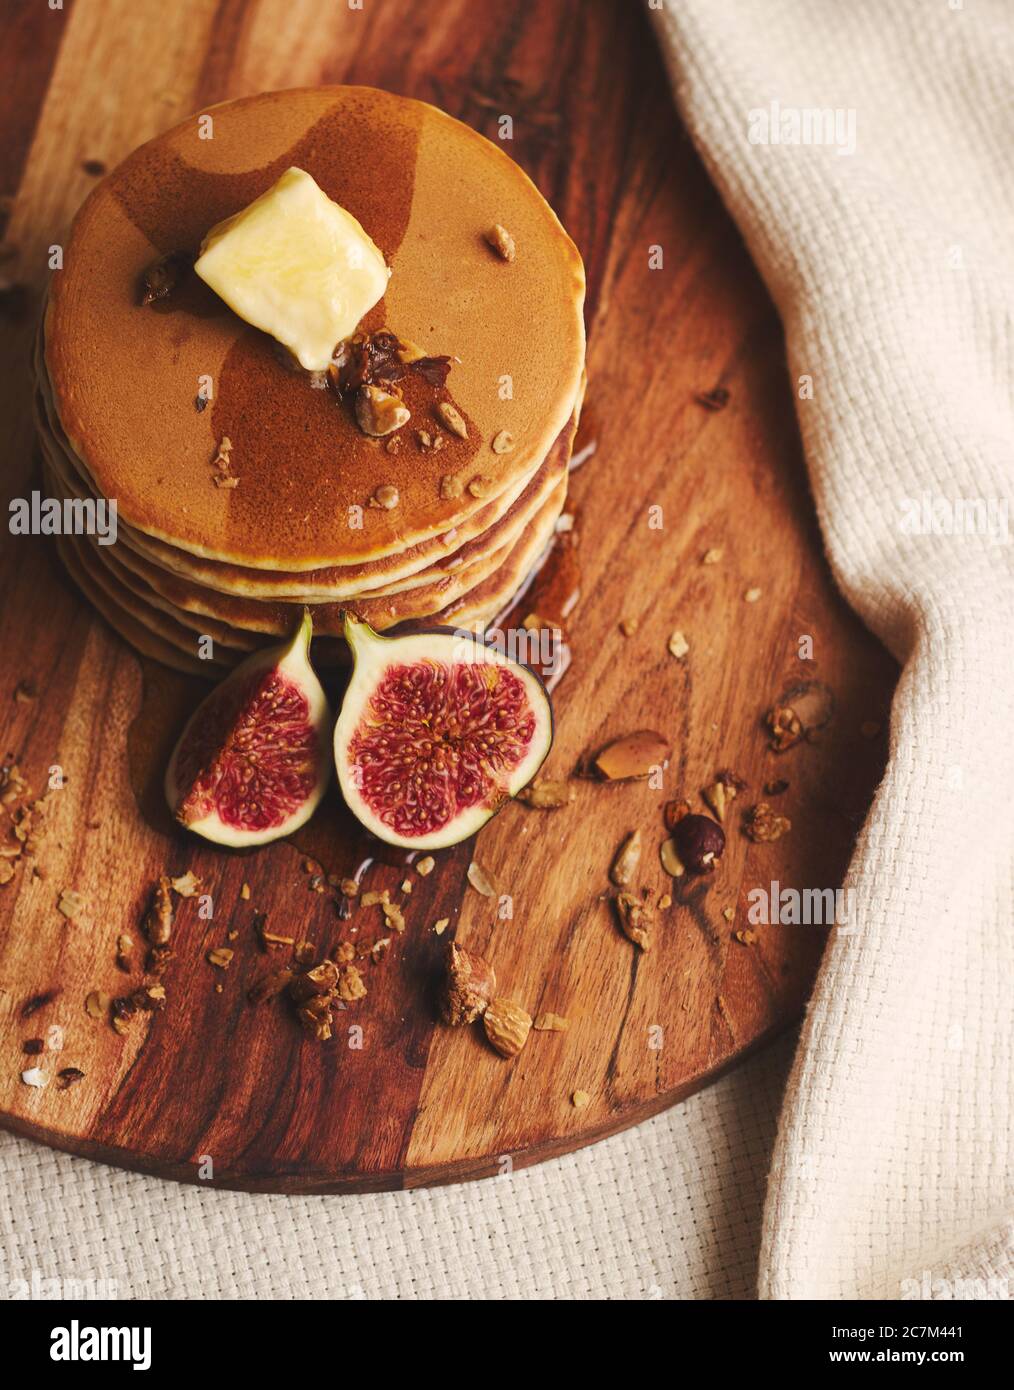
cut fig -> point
(252, 763)
(436, 733)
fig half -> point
(252, 763)
(436, 733)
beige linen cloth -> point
(892, 269)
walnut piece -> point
(379, 412)
(502, 242)
(763, 824)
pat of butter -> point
(296, 265)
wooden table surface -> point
(668, 480)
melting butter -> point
(297, 266)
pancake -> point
(426, 188)
(133, 612)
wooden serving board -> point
(418, 1103)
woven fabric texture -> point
(886, 244)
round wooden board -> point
(214, 1077)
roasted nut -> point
(718, 795)
(450, 486)
(551, 1023)
(786, 728)
(546, 796)
(469, 985)
(502, 242)
(158, 923)
(678, 645)
(481, 485)
(670, 859)
(378, 412)
(507, 1026)
(386, 497)
(220, 957)
(628, 856)
(452, 418)
(675, 811)
(480, 880)
(351, 985)
(632, 757)
(502, 443)
(322, 979)
(637, 918)
(699, 842)
(762, 823)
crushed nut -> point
(580, 1100)
(351, 985)
(451, 487)
(96, 1004)
(501, 241)
(425, 866)
(158, 921)
(632, 757)
(481, 485)
(223, 475)
(379, 412)
(441, 926)
(507, 1026)
(678, 645)
(480, 880)
(546, 796)
(628, 626)
(719, 794)
(386, 498)
(551, 1023)
(636, 919)
(452, 418)
(72, 905)
(763, 824)
(186, 885)
(36, 1077)
(469, 985)
(628, 856)
(752, 595)
(745, 937)
(502, 443)
(712, 556)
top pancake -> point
(426, 188)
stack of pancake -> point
(246, 489)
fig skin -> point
(372, 654)
(292, 658)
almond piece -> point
(632, 757)
(452, 418)
(628, 856)
(507, 1026)
(469, 985)
(502, 242)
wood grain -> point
(417, 1103)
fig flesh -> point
(436, 733)
(253, 761)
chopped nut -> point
(222, 464)
(96, 1004)
(712, 556)
(304, 952)
(632, 757)
(507, 1026)
(719, 794)
(551, 1023)
(636, 919)
(350, 887)
(425, 866)
(186, 885)
(480, 880)
(628, 856)
(469, 985)
(799, 712)
(316, 1018)
(452, 418)
(378, 412)
(628, 626)
(220, 957)
(72, 905)
(244, 892)
(124, 946)
(346, 953)
(321, 979)
(502, 443)
(441, 926)
(351, 985)
(752, 595)
(481, 485)
(393, 916)
(502, 242)
(745, 937)
(158, 922)
(670, 859)
(763, 824)
(678, 645)
(546, 796)
(373, 897)
(580, 1100)
(36, 1077)
(728, 913)
(664, 902)
(451, 487)
(386, 498)
(786, 728)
